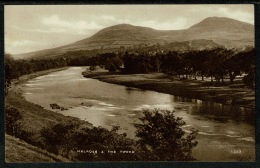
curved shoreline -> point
(42, 117)
(155, 82)
(194, 89)
(34, 116)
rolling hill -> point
(209, 32)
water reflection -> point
(215, 111)
(221, 127)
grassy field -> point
(19, 151)
(235, 94)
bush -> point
(102, 140)
(92, 68)
(12, 120)
(59, 139)
(161, 137)
(249, 80)
(68, 139)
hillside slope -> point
(19, 151)
(220, 30)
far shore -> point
(25, 78)
(236, 94)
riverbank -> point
(34, 117)
(25, 78)
(234, 94)
(71, 84)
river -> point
(225, 132)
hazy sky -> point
(35, 27)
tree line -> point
(16, 68)
(217, 63)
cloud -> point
(21, 43)
(237, 14)
(57, 25)
(107, 17)
(50, 30)
(19, 46)
(174, 24)
(78, 27)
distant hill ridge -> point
(222, 23)
(218, 30)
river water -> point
(225, 132)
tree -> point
(162, 138)
(234, 65)
(172, 63)
(113, 64)
(10, 71)
(101, 139)
(67, 138)
(249, 80)
(219, 58)
(60, 137)
(8, 78)
(156, 62)
(12, 118)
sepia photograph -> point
(150, 83)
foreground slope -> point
(17, 150)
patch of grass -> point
(19, 151)
(196, 89)
(34, 116)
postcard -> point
(137, 83)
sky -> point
(35, 27)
